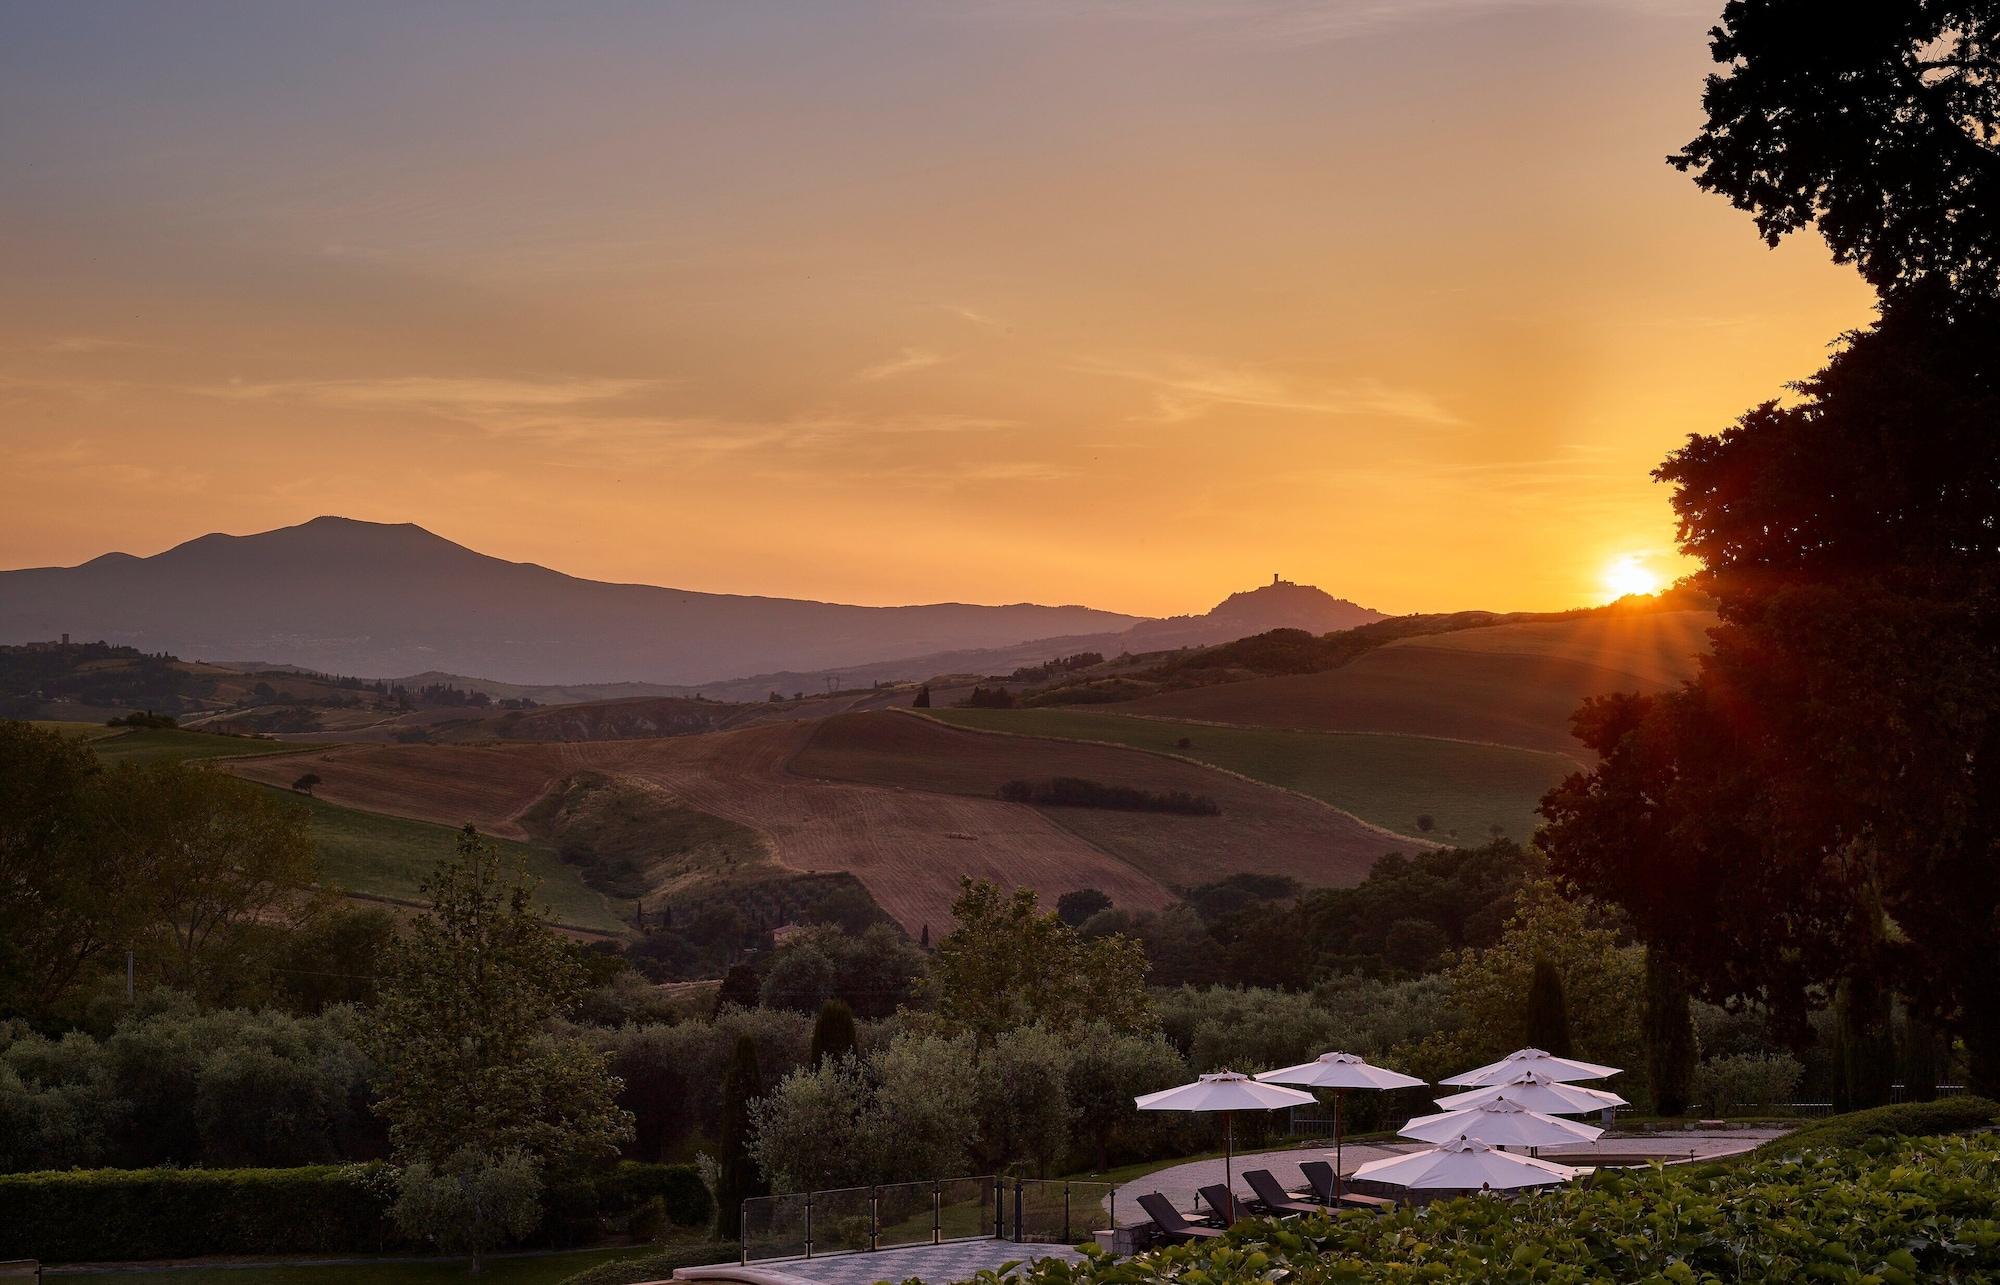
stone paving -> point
(933, 1264)
(1180, 1182)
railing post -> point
(743, 1233)
(809, 1225)
(999, 1214)
(1065, 1213)
(937, 1213)
(1017, 1211)
(874, 1219)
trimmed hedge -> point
(112, 1214)
(679, 1187)
(1895, 1212)
(656, 1267)
(1903, 1120)
(178, 1213)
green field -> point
(388, 856)
(1384, 779)
(536, 1269)
(149, 744)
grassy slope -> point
(1514, 684)
(1260, 829)
(1387, 780)
(387, 856)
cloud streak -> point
(1188, 392)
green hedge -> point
(631, 1184)
(1892, 1213)
(656, 1267)
(113, 1214)
(179, 1213)
(1904, 1120)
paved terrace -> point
(934, 1264)
(1180, 1183)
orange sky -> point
(1121, 303)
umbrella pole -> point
(1228, 1162)
(1336, 1146)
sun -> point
(1628, 575)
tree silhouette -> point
(833, 1033)
(1877, 121)
(736, 1177)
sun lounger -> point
(1272, 1196)
(1355, 1200)
(1173, 1224)
(1222, 1200)
(1319, 1178)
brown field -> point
(487, 786)
(1261, 828)
(1507, 684)
(909, 847)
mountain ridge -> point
(345, 596)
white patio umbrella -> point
(1465, 1165)
(1536, 1092)
(1339, 1072)
(1500, 1123)
(1545, 1064)
(1227, 1092)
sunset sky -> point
(1124, 302)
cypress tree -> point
(1867, 1043)
(1921, 1063)
(1548, 1010)
(1670, 1051)
(737, 1178)
(833, 1033)
(923, 700)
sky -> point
(1130, 303)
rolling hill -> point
(902, 804)
(1504, 684)
(352, 597)
(1260, 829)
(1386, 780)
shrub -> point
(1921, 1210)
(178, 1213)
(471, 1203)
(683, 1197)
(1725, 1085)
(1906, 1119)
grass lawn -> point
(1384, 779)
(148, 744)
(389, 856)
(538, 1269)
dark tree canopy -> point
(1877, 121)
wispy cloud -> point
(451, 395)
(903, 363)
(1189, 391)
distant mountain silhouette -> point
(376, 600)
(1278, 605)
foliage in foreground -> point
(1919, 1209)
